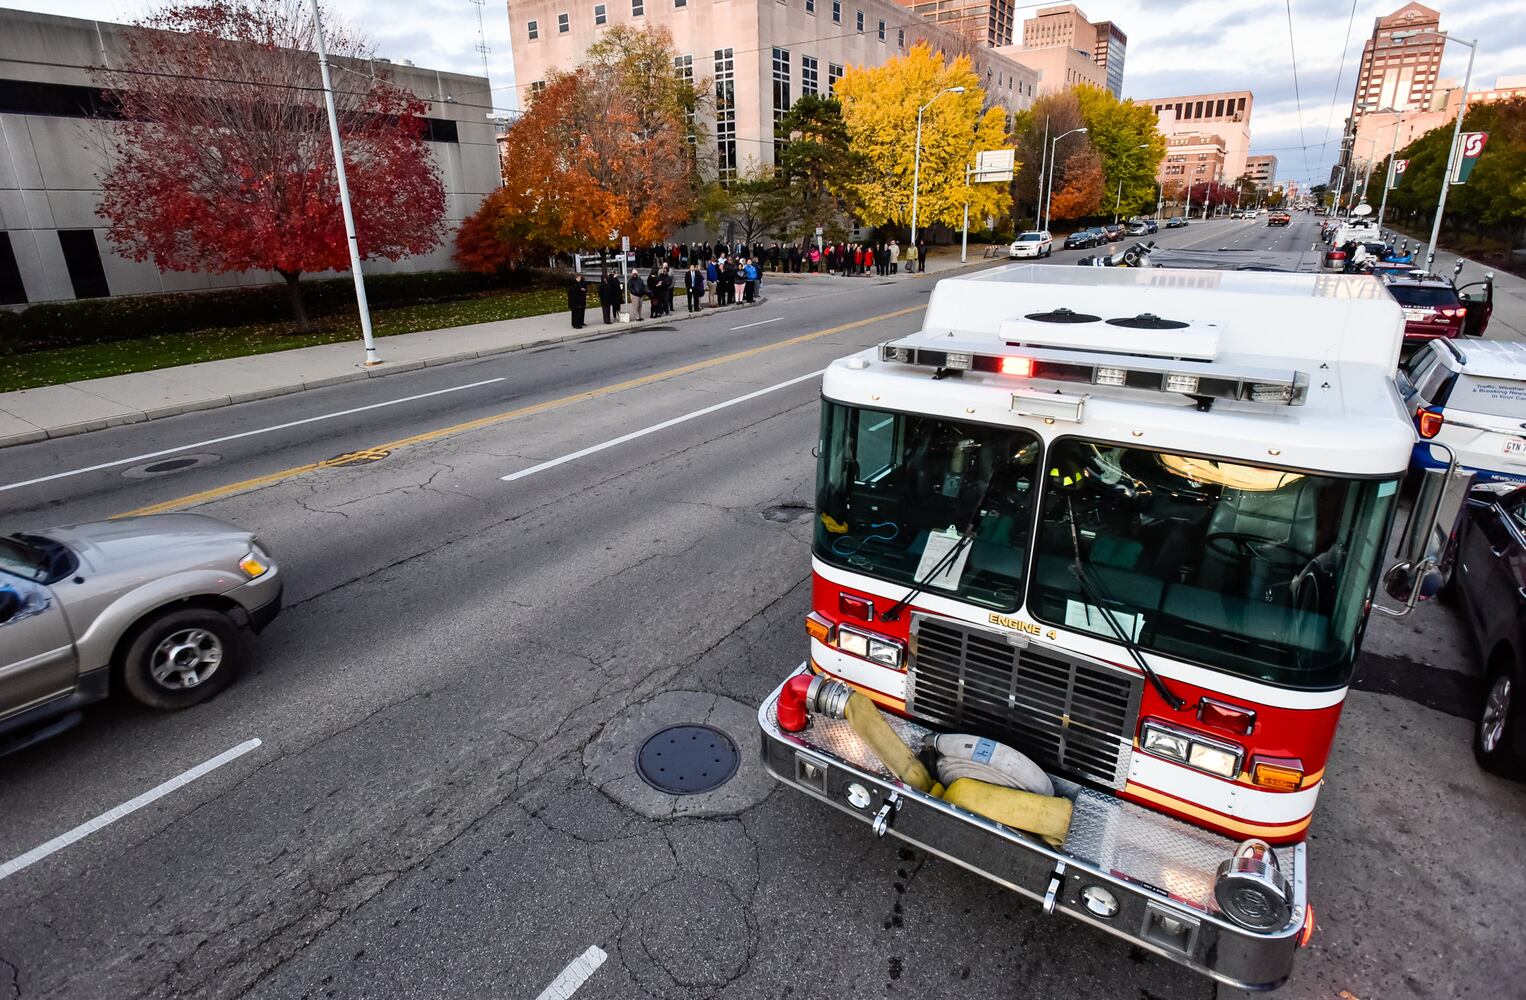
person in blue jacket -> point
(750, 274)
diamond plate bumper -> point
(1159, 870)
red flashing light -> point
(1226, 718)
(856, 607)
(1021, 367)
(1430, 422)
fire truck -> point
(1102, 543)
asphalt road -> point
(466, 663)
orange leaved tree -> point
(605, 150)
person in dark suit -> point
(577, 301)
(694, 285)
(609, 297)
(668, 289)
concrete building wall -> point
(50, 163)
(1065, 25)
(1226, 114)
(750, 30)
(1059, 67)
(1262, 170)
(1192, 158)
(985, 22)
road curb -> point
(380, 371)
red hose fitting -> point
(791, 708)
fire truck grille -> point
(1065, 712)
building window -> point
(638, 7)
(781, 97)
(534, 27)
(809, 75)
(882, 31)
(725, 115)
(599, 14)
(860, 22)
(537, 87)
(810, 6)
(834, 73)
(563, 24)
(837, 11)
(680, 3)
(900, 39)
(83, 259)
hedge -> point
(49, 325)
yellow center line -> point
(359, 454)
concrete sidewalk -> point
(76, 407)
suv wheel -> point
(181, 658)
(1494, 737)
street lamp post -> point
(916, 169)
(372, 357)
(1049, 185)
(1462, 110)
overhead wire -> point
(1297, 97)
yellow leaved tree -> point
(879, 107)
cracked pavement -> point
(421, 820)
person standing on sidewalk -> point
(637, 289)
(694, 285)
(577, 301)
(922, 254)
(750, 275)
(712, 279)
(895, 258)
(609, 297)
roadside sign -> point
(820, 231)
(1470, 146)
(625, 244)
(1396, 172)
(993, 166)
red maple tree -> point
(221, 158)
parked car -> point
(1136, 227)
(1486, 566)
(1434, 308)
(1279, 219)
(1471, 396)
(1034, 243)
(1081, 239)
(1176, 222)
(158, 605)
(1114, 232)
(1151, 226)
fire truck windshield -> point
(1256, 571)
(896, 491)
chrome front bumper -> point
(1159, 870)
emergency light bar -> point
(1199, 380)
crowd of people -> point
(720, 274)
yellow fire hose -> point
(1044, 815)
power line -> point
(1345, 49)
(1297, 97)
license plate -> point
(1417, 314)
(1515, 446)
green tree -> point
(879, 107)
(1128, 143)
(1051, 115)
(816, 162)
(752, 206)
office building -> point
(984, 22)
(1104, 42)
(1262, 170)
(1226, 114)
(760, 55)
(54, 246)
(1059, 67)
(1191, 158)
(1400, 62)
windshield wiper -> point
(966, 537)
(1092, 595)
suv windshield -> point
(1256, 571)
(23, 559)
(1029, 238)
(887, 483)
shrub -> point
(48, 325)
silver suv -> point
(156, 605)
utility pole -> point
(1038, 208)
(1446, 178)
(372, 357)
(916, 169)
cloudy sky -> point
(1175, 47)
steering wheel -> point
(1238, 545)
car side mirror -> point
(1401, 582)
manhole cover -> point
(687, 760)
(165, 466)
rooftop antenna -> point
(481, 35)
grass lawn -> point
(71, 364)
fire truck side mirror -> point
(1401, 582)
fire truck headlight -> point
(886, 652)
(1171, 745)
(1214, 760)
